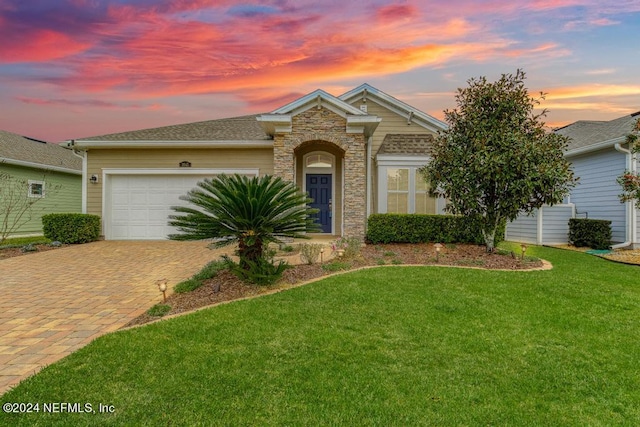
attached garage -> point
(138, 202)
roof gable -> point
(280, 120)
(411, 114)
(584, 134)
(22, 151)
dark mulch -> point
(231, 288)
(12, 252)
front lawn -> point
(388, 346)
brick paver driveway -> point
(54, 302)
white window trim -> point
(402, 162)
(31, 194)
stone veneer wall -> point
(324, 125)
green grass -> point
(22, 241)
(391, 346)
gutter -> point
(631, 214)
(595, 147)
(80, 144)
(39, 166)
(83, 156)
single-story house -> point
(355, 154)
(599, 155)
(36, 171)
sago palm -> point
(249, 211)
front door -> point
(319, 189)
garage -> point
(138, 206)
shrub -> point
(71, 227)
(350, 245)
(310, 252)
(262, 271)
(415, 228)
(593, 233)
(159, 310)
(336, 266)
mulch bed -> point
(13, 252)
(231, 288)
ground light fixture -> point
(162, 286)
(523, 248)
(438, 248)
(321, 254)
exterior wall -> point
(323, 125)
(63, 194)
(97, 160)
(524, 229)
(597, 191)
(548, 225)
(391, 123)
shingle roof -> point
(584, 133)
(16, 147)
(415, 144)
(243, 128)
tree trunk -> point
(489, 238)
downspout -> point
(83, 156)
(369, 184)
(631, 211)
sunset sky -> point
(77, 68)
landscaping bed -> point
(227, 287)
(19, 251)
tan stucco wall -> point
(97, 160)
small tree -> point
(496, 160)
(249, 211)
(630, 181)
(16, 207)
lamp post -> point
(438, 247)
(321, 255)
(162, 286)
(523, 248)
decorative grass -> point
(208, 271)
(390, 346)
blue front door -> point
(319, 189)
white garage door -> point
(138, 206)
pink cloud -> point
(39, 46)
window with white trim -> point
(402, 189)
(398, 190)
(36, 189)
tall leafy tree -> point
(630, 180)
(496, 160)
(249, 211)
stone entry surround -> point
(323, 125)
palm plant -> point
(249, 211)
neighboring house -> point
(40, 171)
(598, 156)
(355, 154)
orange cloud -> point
(593, 90)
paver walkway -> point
(54, 302)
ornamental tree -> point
(630, 181)
(496, 160)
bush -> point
(71, 227)
(593, 233)
(263, 271)
(310, 252)
(415, 228)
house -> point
(598, 154)
(355, 154)
(37, 178)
